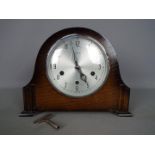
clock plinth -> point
(40, 95)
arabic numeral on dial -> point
(58, 77)
(87, 86)
(66, 46)
(54, 66)
(50, 66)
(65, 85)
(99, 66)
(76, 88)
(77, 43)
(96, 77)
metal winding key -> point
(46, 118)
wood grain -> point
(39, 94)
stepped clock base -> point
(33, 113)
(28, 113)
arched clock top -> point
(111, 94)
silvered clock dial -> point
(77, 65)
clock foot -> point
(123, 114)
(28, 113)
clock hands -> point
(82, 76)
(75, 60)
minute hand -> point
(75, 60)
(82, 76)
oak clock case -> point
(76, 69)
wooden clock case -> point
(39, 95)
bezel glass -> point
(50, 72)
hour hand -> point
(83, 77)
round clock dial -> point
(77, 65)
